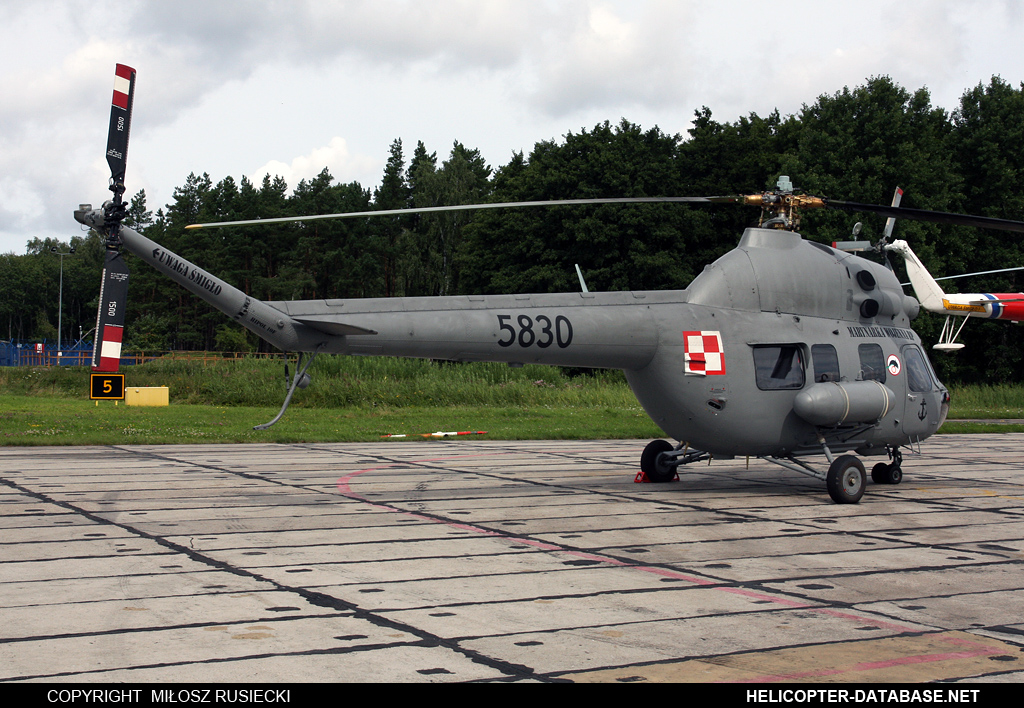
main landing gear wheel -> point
(653, 461)
(886, 474)
(845, 480)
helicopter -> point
(995, 306)
(781, 349)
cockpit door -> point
(924, 398)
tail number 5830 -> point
(539, 330)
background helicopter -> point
(781, 349)
(995, 306)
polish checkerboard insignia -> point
(704, 354)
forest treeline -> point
(856, 144)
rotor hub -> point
(782, 210)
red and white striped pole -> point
(437, 435)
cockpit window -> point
(872, 362)
(779, 367)
(826, 363)
(918, 378)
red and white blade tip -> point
(122, 85)
(110, 348)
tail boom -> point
(594, 330)
(255, 315)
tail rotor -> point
(106, 353)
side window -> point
(826, 363)
(872, 362)
(917, 370)
(779, 367)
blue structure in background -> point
(22, 353)
(8, 354)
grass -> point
(985, 406)
(351, 399)
(987, 401)
(38, 421)
(341, 382)
(361, 399)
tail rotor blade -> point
(106, 351)
(120, 127)
(897, 197)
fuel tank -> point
(835, 403)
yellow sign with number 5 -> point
(106, 387)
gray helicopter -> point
(781, 349)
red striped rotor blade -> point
(120, 126)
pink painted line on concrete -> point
(873, 665)
(882, 624)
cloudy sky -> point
(292, 86)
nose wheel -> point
(886, 474)
(891, 473)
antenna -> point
(579, 274)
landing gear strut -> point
(301, 380)
(845, 479)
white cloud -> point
(334, 156)
(914, 49)
(614, 56)
(396, 32)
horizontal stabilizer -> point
(330, 326)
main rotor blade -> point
(120, 126)
(981, 272)
(467, 207)
(938, 217)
